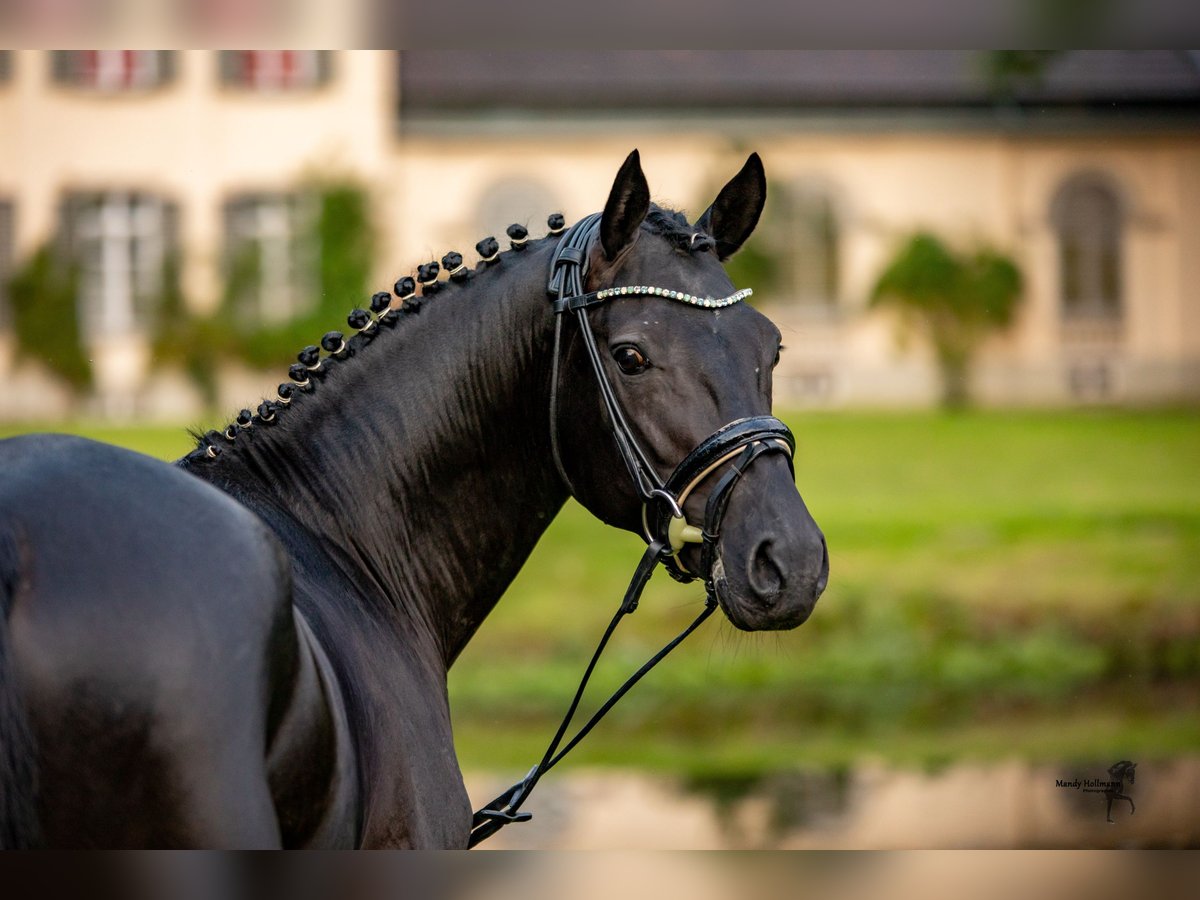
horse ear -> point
(627, 205)
(735, 212)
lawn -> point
(1002, 584)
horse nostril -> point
(823, 578)
(763, 573)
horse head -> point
(686, 377)
(1122, 770)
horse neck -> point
(422, 464)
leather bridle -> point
(663, 518)
(734, 447)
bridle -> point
(663, 518)
(665, 525)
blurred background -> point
(984, 265)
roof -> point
(436, 82)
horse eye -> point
(630, 359)
(778, 353)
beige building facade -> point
(1101, 211)
(973, 187)
(191, 139)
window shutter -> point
(324, 67)
(62, 66)
(7, 239)
(232, 68)
(166, 67)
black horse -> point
(249, 648)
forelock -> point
(674, 226)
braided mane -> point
(389, 310)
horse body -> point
(108, 627)
(252, 649)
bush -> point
(45, 322)
(956, 299)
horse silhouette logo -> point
(1113, 790)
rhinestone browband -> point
(680, 296)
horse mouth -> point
(753, 610)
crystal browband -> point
(690, 299)
(640, 290)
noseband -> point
(665, 526)
(741, 441)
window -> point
(7, 240)
(275, 70)
(813, 252)
(1088, 218)
(113, 70)
(268, 257)
(794, 257)
(5, 65)
(123, 243)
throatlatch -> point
(665, 525)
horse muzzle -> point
(757, 524)
(771, 562)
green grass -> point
(163, 441)
(1002, 584)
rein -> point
(665, 525)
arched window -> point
(794, 256)
(1089, 220)
(812, 227)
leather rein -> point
(666, 528)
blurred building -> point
(1085, 166)
(132, 158)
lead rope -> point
(506, 809)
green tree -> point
(43, 293)
(955, 299)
